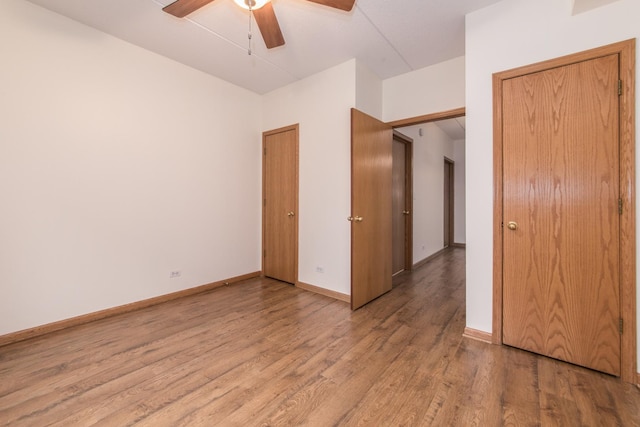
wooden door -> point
(400, 212)
(402, 190)
(371, 235)
(280, 204)
(448, 203)
(560, 197)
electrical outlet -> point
(175, 274)
(320, 269)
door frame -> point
(418, 120)
(265, 134)
(408, 185)
(626, 52)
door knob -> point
(290, 214)
(354, 218)
(512, 225)
(405, 212)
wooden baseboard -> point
(326, 292)
(459, 245)
(638, 380)
(113, 311)
(429, 258)
(477, 335)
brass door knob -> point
(354, 218)
(512, 225)
(290, 214)
(405, 212)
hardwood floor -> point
(262, 353)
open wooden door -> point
(371, 208)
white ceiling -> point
(454, 128)
(390, 37)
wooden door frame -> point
(296, 128)
(626, 52)
(428, 118)
(408, 185)
(451, 199)
(418, 120)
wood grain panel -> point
(265, 353)
(561, 185)
(269, 27)
(628, 258)
(448, 202)
(441, 115)
(399, 205)
(182, 8)
(408, 184)
(280, 204)
(626, 52)
(498, 214)
(345, 5)
(371, 183)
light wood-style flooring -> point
(264, 353)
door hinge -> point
(264, 253)
(264, 151)
(619, 87)
(619, 206)
(621, 324)
(264, 202)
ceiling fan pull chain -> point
(250, 16)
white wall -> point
(580, 6)
(116, 167)
(429, 151)
(433, 89)
(428, 90)
(510, 34)
(368, 91)
(321, 105)
(459, 227)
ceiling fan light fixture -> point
(255, 4)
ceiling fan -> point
(262, 11)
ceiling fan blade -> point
(182, 8)
(269, 27)
(337, 4)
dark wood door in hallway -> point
(262, 352)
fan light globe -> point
(255, 4)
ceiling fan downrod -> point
(250, 3)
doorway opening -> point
(371, 201)
(438, 220)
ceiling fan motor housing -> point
(265, 16)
